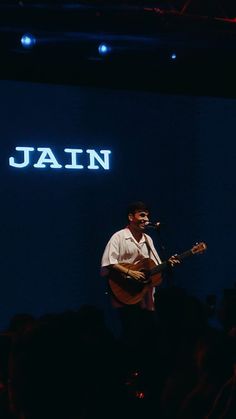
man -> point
(130, 246)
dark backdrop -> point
(175, 152)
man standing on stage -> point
(131, 245)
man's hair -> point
(136, 206)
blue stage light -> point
(104, 49)
(173, 56)
(28, 40)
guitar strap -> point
(150, 251)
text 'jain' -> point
(43, 157)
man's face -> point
(139, 219)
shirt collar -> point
(129, 235)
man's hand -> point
(136, 274)
(173, 260)
(129, 272)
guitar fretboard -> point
(164, 265)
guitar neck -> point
(164, 265)
(185, 255)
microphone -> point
(155, 226)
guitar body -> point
(130, 291)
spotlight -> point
(104, 49)
(28, 40)
(173, 56)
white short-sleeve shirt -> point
(123, 248)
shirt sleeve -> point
(110, 254)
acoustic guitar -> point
(128, 290)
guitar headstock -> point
(199, 248)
